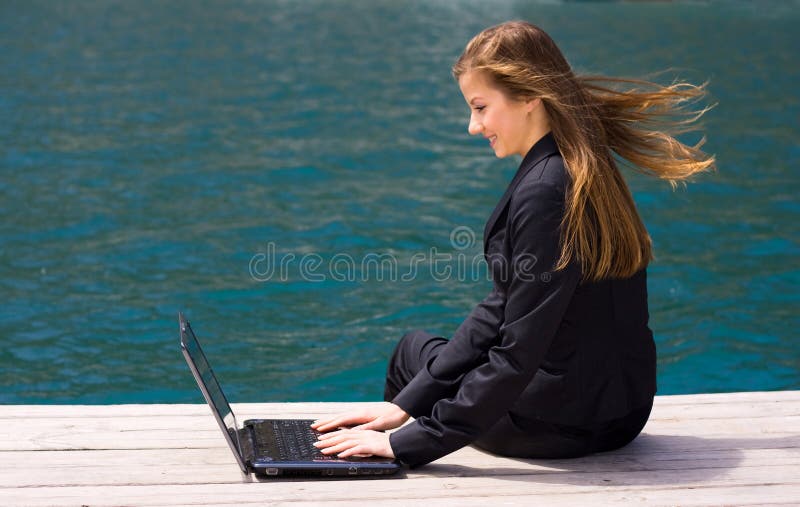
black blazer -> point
(542, 345)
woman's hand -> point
(353, 442)
(375, 416)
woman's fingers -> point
(348, 443)
(338, 421)
(334, 442)
(372, 425)
(357, 450)
(332, 435)
(378, 424)
(337, 448)
(377, 416)
(326, 424)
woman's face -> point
(508, 124)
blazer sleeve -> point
(536, 299)
(465, 350)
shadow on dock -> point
(648, 460)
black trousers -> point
(511, 436)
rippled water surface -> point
(161, 156)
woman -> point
(558, 360)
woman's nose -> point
(474, 127)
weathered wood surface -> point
(711, 449)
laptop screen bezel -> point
(188, 334)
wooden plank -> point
(173, 431)
(728, 495)
(201, 466)
(453, 489)
(738, 397)
(121, 418)
(312, 409)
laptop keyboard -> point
(293, 439)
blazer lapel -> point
(543, 147)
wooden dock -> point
(710, 449)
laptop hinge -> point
(246, 439)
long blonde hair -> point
(590, 118)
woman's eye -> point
(480, 108)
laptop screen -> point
(211, 389)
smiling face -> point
(511, 126)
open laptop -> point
(271, 447)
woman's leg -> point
(620, 432)
(413, 351)
(539, 439)
(534, 439)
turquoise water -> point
(154, 154)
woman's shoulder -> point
(548, 178)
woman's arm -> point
(471, 341)
(536, 300)
(468, 348)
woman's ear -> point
(532, 104)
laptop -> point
(271, 447)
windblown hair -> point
(590, 117)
